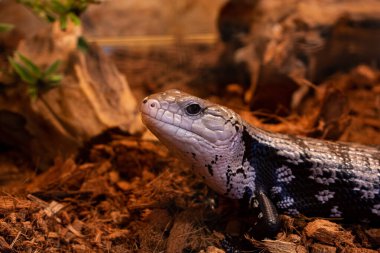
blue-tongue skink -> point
(283, 173)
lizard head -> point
(202, 133)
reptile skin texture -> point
(297, 175)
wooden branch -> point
(92, 97)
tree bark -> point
(93, 96)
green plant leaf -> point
(58, 7)
(22, 72)
(50, 18)
(52, 10)
(63, 22)
(82, 44)
(54, 78)
(33, 92)
(74, 18)
(35, 70)
(4, 27)
(52, 68)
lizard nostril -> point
(152, 105)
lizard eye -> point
(193, 109)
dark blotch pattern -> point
(210, 170)
(302, 189)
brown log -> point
(302, 41)
(92, 97)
